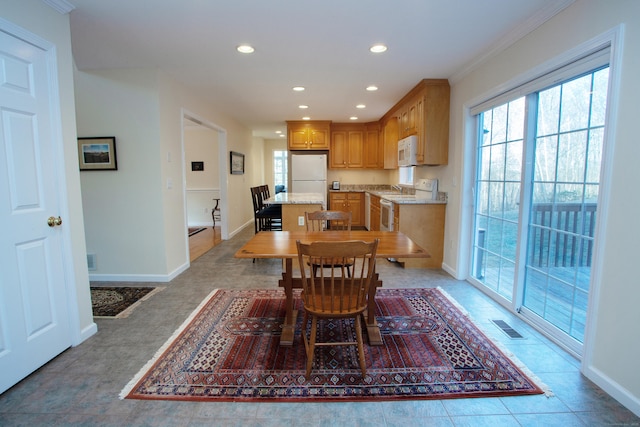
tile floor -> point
(81, 386)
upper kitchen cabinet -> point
(373, 146)
(390, 143)
(355, 146)
(424, 112)
(347, 145)
(308, 135)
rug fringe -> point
(127, 389)
(533, 377)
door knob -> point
(52, 221)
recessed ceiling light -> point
(282, 135)
(298, 88)
(302, 107)
(245, 48)
(306, 118)
(361, 106)
(372, 88)
(378, 48)
(353, 118)
(278, 131)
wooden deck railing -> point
(562, 234)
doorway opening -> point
(204, 148)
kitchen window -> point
(538, 157)
(406, 174)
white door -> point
(34, 323)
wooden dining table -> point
(282, 245)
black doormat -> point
(118, 302)
(196, 230)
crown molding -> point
(61, 6)
(527, 27)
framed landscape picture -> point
(97, 153)
(237, 163)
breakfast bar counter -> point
(294, 205)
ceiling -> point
(321, 45)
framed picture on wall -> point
(97, 153)
(197, 166)
(236, 163)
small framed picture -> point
(197, 166)
(97, 153)
(236, 163)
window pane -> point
(594, 155)
(548, 111)
(497, 162)
(546, 156)
(514, 161)
(496, 198)
(499, 125)
(599, 102)
(576, 104)
(515, 130)
(572, 146)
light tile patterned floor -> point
(81, 386)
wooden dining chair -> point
(333, 295)
(328, 220)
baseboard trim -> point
(614, 389)
(86, 333)
(451, 271)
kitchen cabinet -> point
(423, 112)
(308, 135)
(349, 201)
(408, 116)
(390, 144)
(356, 146)
(374, 212)
(424, 224)
(373, 146)
(433, 125)
(347, 147)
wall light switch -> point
(301, 221)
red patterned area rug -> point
(228, 351)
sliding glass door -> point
(566, 179)
(537, 182)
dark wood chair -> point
(333, 295)
(266, 218)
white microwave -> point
(407, 148)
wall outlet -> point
(301, 221)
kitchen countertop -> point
(296, 199)
(385, 192)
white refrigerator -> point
(309, 174)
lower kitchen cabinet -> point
(424, 224)
(349, 202)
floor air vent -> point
(504, 327)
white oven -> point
(386, 215)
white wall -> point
(123, 208)
(39, 19)
(135, 216)
(614, 348)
